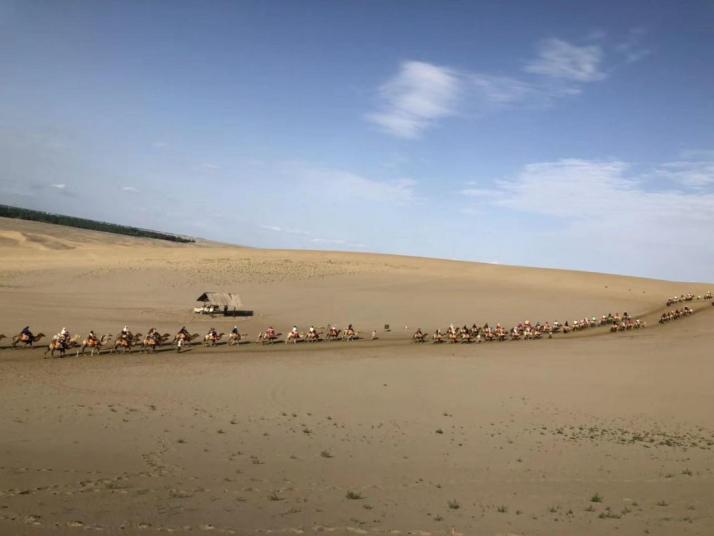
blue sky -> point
(557, 134)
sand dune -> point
(575, 435)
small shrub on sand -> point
(597, 498)
(454, 505)
(354, 495)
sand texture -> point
(588, 433)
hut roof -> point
(222, 299)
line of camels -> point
(128, 341)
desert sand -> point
(589, 433)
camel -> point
(350, 335)
(182, 339)
(452, 334)
(126, 343)
(313, 336)
(27, 341)
(152, 342)
(419, 336)
(95, 345)
(333, 334)
(56, 345)
(437, 337)
(211, 340)
(294, 337)
(268, 336)
(234, 339)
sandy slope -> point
(512, 438)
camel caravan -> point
(676, 314)
(294, 336)
(688, 298)
(154, 341)
(526, 330)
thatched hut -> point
(225, 303)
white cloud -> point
(328, 241)
(594, 197)
(500, 90)
(130, 189)
(563, 60)
(631, 47)
(418, 95)
(477, 192)
(691, 174)
(340, 185)
(59, 186)
(287, 230)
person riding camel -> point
(26, 334)
(235, 331)
(270, 332)
(64, 338)
(92, 337)
(183, 332)
(124, 333)
(212, 333)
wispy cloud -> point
(288, 230)
(688, 173)
(130, 189)
(597, 197)
(632, 47)
(559, 59)
(418, 95)
(421, 94)
(59, 186)
(340, 185)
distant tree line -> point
(59, 219)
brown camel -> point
(211, 340)
(27, 341)
(56, 345)
(152, 342)
(94, 345)
(268, 336)
(127, 342)
(234, 339)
